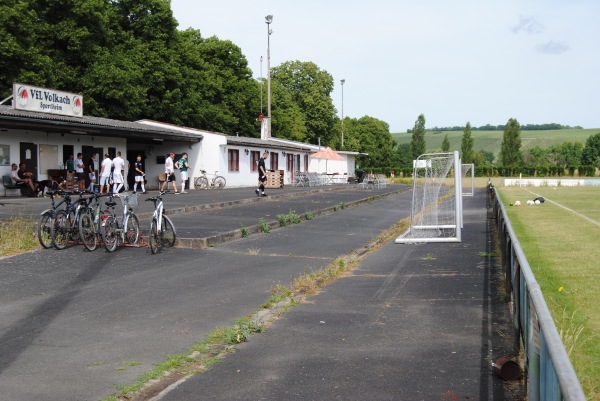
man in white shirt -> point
(170, 173)
(80, 171)
(118, 166)
(105, 173)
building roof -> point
(89, 125)
(271, 143)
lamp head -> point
(269, 19)
(343, 81)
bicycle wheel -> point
(87, 230)
(45, 230)
(168, 232)
(201, 182)
(153, 240)
(132, 229)
(219, 182)
(61, 230)
(110, 236)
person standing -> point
(105, 173)
(183, 166)
(70, 164)
(170, 173)
(91, 170)
(80, 171)
(138, 167)
(118, 166)
(262, 175)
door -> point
(29, 155)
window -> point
(233, 159)
(4, 155)
(274, 161)
(289, 165)
(306, 163)
(254, 157)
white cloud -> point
(552, 47)
(528, 24)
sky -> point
(454, 61)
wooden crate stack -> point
(70, 180)
(274, 179)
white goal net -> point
(436, 213)
(468, 179)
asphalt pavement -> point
(412, 322)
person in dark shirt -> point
(262, 175)
(138, 168)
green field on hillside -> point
(490, 141)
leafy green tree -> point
(510, 150)
(404, 156)
(446, 144)
(289, 122)
(466, 145)
(372, 136)
(310, 89)
(417, 143)
(566, 154)
(591, 151)
(537, 157)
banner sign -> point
(32, 98)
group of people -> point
(170, 165)
(112, 174)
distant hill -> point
(490, 141)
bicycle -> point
(203, 182)
(66, 222)
(92, 221)
(162, 230)
(47, 219)
(129, 228)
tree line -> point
(501, 127)
(556, 159)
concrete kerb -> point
(203, 243)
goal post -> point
(436, 212)
(468, 179)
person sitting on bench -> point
(21, 182)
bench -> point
(8, 184)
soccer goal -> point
(436, 213)
(468, 179)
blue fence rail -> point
(549, 372)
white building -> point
(43, 127)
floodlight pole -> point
(268, 20)
(343, 81)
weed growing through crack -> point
(308, 215)
(264, 226)
(245, 232)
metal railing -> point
(549, 372)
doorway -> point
(28, 154)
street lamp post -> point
(268, 20)
(343, 81)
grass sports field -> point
(560, 240)
(490, 141)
